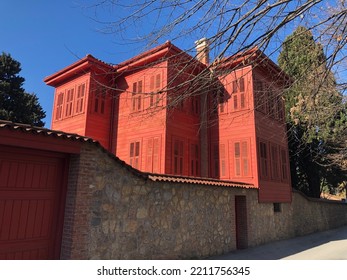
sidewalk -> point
(326, 245)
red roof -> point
(198, 181)
(79, 66)
(26, 128)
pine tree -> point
(15, 104)
(315, 114)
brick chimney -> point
(202, 50)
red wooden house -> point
(157, 114)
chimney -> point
(202, 50)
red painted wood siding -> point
(245, 107)
(183, 122)
(232, 134)
(145, 124)
(31, 203)
(99, 110)
(271, 131)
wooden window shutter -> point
(80, 99)
(274, 162)
(156, 168)
(59, 106)
(242, 84)
(158, 82)
(216, 160)
(244, 152)
(222, 160)
(69, 102)
(131, 153)
(149, 159)
(151, 83)
(234, 86)
(237, 156)
(139, 95)
(134, 154)
(263, 160)
(242, 100)
(235, 102)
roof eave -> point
(80, 66)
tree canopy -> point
(15, 104)
(316, 114)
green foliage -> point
(15, 104)
(316, 115)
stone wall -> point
(115, 212)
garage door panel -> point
(27, 175)
(37, 249)
(26, 219)
(31, 204)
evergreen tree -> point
(15, 104)
(315, 114)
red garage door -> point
(32, 189)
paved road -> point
(327, 245)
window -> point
(134, 154)
(238, 93)
(59, 106)
(178, 152)
(284, 165)
(222, 155)
(69, 102)
(221, 99)
(259, 96)
(235, 102)
(216, 160)
(220, 160)
(194, 160)
(137, 91)
(152, 156)
(237, 154)
(80, 99)
(234, 85)
(242, 168)
(274, 163)
(100, 100)
(154, 88)
(242, 84)
(263, 160)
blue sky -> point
(46, 36)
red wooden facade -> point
(240, 135)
